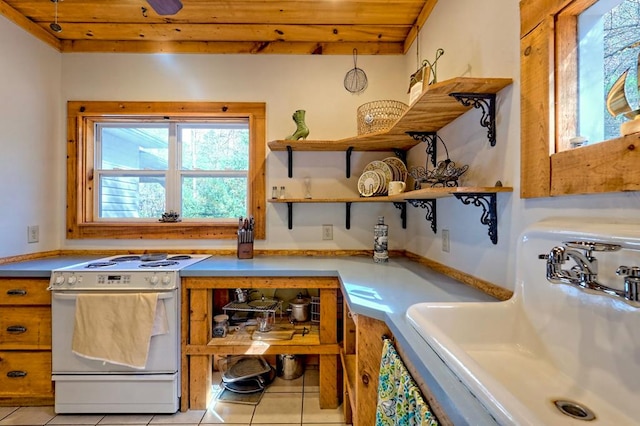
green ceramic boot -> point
(302, 131)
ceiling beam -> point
(228, 47)
(33, 29)
(420, 22)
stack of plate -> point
(398, 168)
(376, 176)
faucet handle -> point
(629, 271)
(631, 281)
(589, 246)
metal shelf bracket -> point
(290, 161)
(290, 214)
(401, 154)
(348, 167)
(430, 206)
(486, 102)
(430, 138)
(489, 210)
(403, 212)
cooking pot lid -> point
(300, 300)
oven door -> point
(164, 350)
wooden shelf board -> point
(354, 199)
(433, 193)
(433, 110)
(262, 348)
(349, 367)
(419, 194)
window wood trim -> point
(548, 70)
(80, 223)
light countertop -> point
(382, 291)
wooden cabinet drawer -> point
(24, 291)
(25, 327)
(25, 373)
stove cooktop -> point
(136, 262)
(156, 271)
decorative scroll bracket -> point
(430, 138)
(401, 154)
(489, 210)
(430, 206)
(403, 213)
(486, 102)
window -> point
(130, 163)
(609, 42)
(549, 111)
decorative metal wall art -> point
(445, 173)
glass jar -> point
(221, 326)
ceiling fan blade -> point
(165, 7)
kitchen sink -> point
(553, 354)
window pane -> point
(609, 34)
(128, 147)
(132, 196)
(214, 198)
(218, 146)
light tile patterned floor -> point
(286, 402)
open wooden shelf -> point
(433, 110)
(480, 196)
(419, 194)
(349, 367)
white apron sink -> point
(549, 342)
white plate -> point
(369, 183)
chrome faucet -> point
(584, 272)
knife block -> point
(245, 250)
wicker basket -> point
(378, 116)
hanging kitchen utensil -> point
(356, 80)
(55, 27)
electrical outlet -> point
(33, 234)
(445, 241)
(327, 232)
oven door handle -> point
(73, 296)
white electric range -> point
(86, 385)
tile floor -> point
(285, 402)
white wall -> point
(31, 120)
(480, 39)
(286, 83)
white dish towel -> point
(117, 328)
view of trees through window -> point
(621, 47)
(609, 34)
(198, 170)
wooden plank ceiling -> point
(328, 27)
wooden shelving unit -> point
(438, 106)
(434, 109)
(203, 297)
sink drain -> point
(575, 410)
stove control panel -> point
(139, 280)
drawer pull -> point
(16, 374)
(17, 329)
(17, 292)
